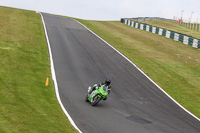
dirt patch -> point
(5, 48)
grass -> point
(174, 26)
(26, 104)
(172, 65)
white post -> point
(191, 20)
(185, 23)
(199, 27)
(196, 25)
(189, 23)
(182, 15)
(193, 26)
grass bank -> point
(172, 65)
(26, 104)
(174, 26)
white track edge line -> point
(141, 72)
(54, 78)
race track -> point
(135, 104)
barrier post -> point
(47, 82)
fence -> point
(148, 19)
(191, 26)
(188, 40)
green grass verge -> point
(172, 65)
(174, 26)
(26, 105)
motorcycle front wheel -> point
(96, 99)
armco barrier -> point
(185, 39)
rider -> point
(106, 83)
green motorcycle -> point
(97, 95)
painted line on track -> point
(54, 78)
(140, 71)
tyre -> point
(86, 99)
(96, 99)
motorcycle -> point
(97, 95)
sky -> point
(112, 9)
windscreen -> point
(105, 88)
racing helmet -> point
(107, 82)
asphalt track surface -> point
(135, 104)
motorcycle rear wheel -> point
(86, 99)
